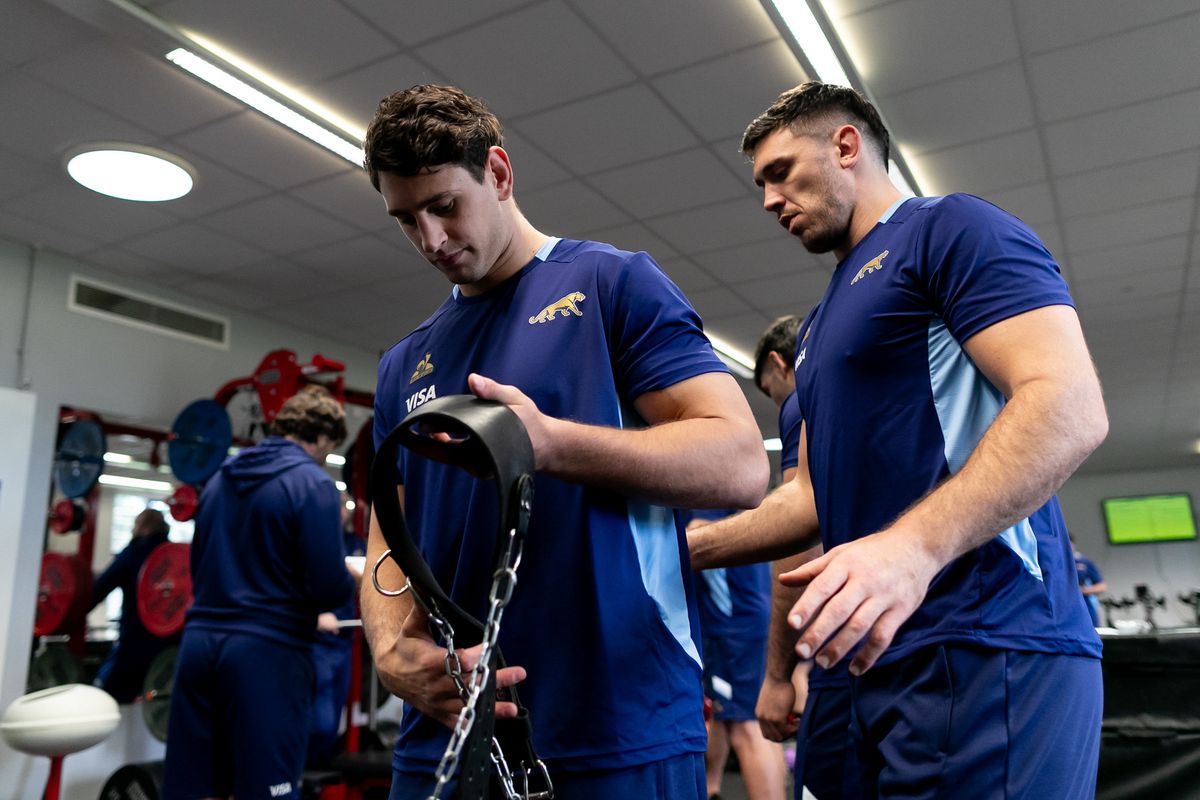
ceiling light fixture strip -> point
(810, 35)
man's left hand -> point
(537, 425)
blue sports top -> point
(895, 406)
(267, 553)
(735, 602)
(789, 433)
(604, 615)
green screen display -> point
(1154, 518)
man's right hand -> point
(780, 705)
(413, 667)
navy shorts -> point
(733, 675)
(677, 778)
(239, 718)
(964, 721)
(826, 760)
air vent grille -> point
(91, 297)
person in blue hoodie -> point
(266, 559)
(124, 671)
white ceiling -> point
(622, 118)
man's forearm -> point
(781, 637)
(1038, 440)
(783, 525)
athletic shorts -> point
(965, 721)
(826, 761)
(733, 674)
(239, 718)
(677, 778)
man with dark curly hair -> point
(266, 559)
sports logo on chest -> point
(568, 304)
(874, 265)
(421, 397)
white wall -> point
(115, 370)
(1168, 568)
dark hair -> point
(779, 337)
(310, 412)
(157, 520)
(426, 126)
(814, 107)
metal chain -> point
(504, 580)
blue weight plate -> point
(80, 458)
(200, 442)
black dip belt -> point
(488, 441)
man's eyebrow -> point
(426, 203)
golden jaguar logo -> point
(875, 263)
(424, 367)
(570, 303)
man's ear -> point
(849, 142)
(776, 360)
(500, 168)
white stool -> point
(59, 721)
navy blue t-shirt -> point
(735, 602)
(604, 616)
(894, 406)
(789, 433)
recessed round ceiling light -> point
(130, 171)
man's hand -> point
(863, 589)
(413, 667)
(327, 622)
(776, 709)
(537, 424)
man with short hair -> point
(124, 671)
(946, 392)
(266, 559)
(630, 414)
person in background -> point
(1091, 582)
(124, 671)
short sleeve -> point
(789, 432)
(985, 265)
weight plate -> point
(66, 516)
(58, 585)
(200, 441)
(156, 692)
(183, 502)
(53, 665)
(165, 589)
(80, 458)
(134, 782)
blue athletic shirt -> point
(735, 602)
(267, 553)
(604, 615)
(894, 406)
(789, 433)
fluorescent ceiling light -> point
(135, 483)
(335, 459)
(341, 487)
(117, 458)
(772, 445)
(130, 172)
(741, 364)
(242, 91)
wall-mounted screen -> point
(1151, 518)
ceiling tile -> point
(278, 224)
(1123, 288)
(412, 23)
(667, 34)
(23, 175)
(356, 94)
(1004, 162)
(687, 276)
(1153, 128)
(227, 294)
(195, 249)
(779, 254)
(30, 232)
(746, 82)
(984, 104)
(299, 41)
(1032, 203)
(532, 168)
(671, 183)
(607, 131)
(215, 188)
(941, 39)
(717, 226)
(1105, 262)
(634, 237)
(149, 92)
(717, 302)
(524, 43)
(363, 259)
(1045, 26)
(148, 272)
(1142, 64)
(570, 209)
(100, 218)
(350, 197)
(31, 30)
(729, 152)
(264, 150)
(1131, 184)
(1140, 223)
(280, 279)
(799, 290)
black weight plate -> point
(134, 782)
(53, 665)
(201, 437)
(80, 458)
(156, 692)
